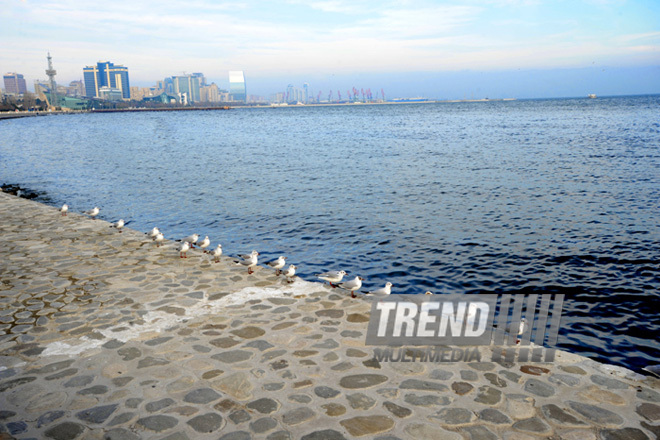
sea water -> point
(527, 196)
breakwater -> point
(105, 335)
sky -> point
(435, 49)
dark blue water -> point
(545, 196)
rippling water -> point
(545, 196)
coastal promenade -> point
(103, 335)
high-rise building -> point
(187, 85)
(106, 74)
(14, 84)
(305, 93)
(237, 89)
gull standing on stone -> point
(333, 277)
(185, 247)
(93, 212)
(64, 209)
(119, 224)
(159, 239)
(217, 252)
(278, 265)
(290, 273)
(382, 291)
(191, 239)
(248, 260)
(352, 285)
(155, 231)
(205, 243)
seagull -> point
(521, 328)
(205, 243)
(185, 247)
(64, 209)
(216, 253)
(93, 212)
(290, 273)
(158, 239)
(248, 260)
(428, 292)
(333, 277)
(382, 291)
(119, 224)
(191, 239)
(154, 232)
(352, 285)
(278, 265)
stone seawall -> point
(103, 335)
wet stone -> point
(158, 423)
(623, 434)
(95, 390)
(249, 332)
(201, 395)
(564, 379)
(297, 416)
(98, 414)
(240, 416)
(278, 365)
(648, 395)
(491, 415)
(233, 356)
(113, 344)
(334, 409)
(441, 375)
(328, 344)
(330, 313)
(422, 385)
(159, 405)
(454, 416)
(49, 417)
(361, 401)
(351, 334)
(649, 411)
(372, 363)
(264, 405)
(260, 345)
(367, 425)
(303, 384)
(495, 380)
(534, 370)
(461, 388)
(362, 381)
(539, 388)
(533, 424)
(488, 395)
(65, 431)
(325, 434)
(572, 369)
(8, 385)
(397, 410)
(557, 415)
(509, 375)
(353, 352)
(469, 375)
(608, 382)
(263, 424)
(16, 428)
(596, 414)
(428, 400)
(326, 392)
(227, 342)
(357, 317)
(300, 398)
(206, 422)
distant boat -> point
(591, 95)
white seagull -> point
(333, 277)
(382, 291)
(64, 209)
(93, 212)
(159, 239)
(154, 232)
(119, 224)
(278, 265)
(217, 253)
(290, 273)
(352, 285)
(191, 239)
(185, 247)
(205, 243)
(248, 260)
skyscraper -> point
(106, 74)
(188, 85)
(14, 84)
(237, 89)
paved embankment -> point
(104, 335)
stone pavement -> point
(105, 336)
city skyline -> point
(480, 48)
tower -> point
(237, 89)
(51, 81)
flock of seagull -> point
(334, 278)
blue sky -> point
(438, 49)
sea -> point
(524, 196)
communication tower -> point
(51, 79)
